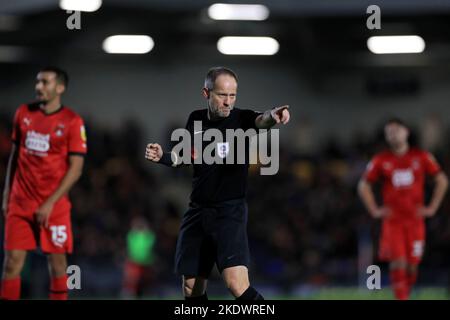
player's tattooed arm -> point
(10, 171)
(272, 117)
(440, 188)
(72, 175)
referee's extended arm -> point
(272, 117)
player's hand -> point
(381, 212)
(153, 152)
(426, 212)
(43, 213)
(281, 114)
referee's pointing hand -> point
(153, 152)
(281, 114)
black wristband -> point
(166, 159)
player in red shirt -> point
(402, 170)
(49, 144)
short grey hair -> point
(214, 72)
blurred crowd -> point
(306, 224)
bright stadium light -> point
(248, 46)
(80, 5)
(223, 11)
(396, 44)
(128, 44)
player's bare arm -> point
(12, 162)
(440, 188)
(368, 198)
(272, 117)
(71, 177)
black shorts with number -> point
(212, 234)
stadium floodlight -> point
(80, 5)
(224, 11)
(396, 44)
(248, 46)
(128, 44)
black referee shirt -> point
(214, 183)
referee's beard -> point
(219, 112)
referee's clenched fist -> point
(153, 152)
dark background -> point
(307, 227)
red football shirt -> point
(403, 179)
(44, 143)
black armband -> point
(166, 159)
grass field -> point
(345, 293)
(360, 294)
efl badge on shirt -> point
(223, 148)
(83, 133)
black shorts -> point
(212, 234)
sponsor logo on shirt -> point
(402, 178)
(37, 141)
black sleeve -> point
(166, 158)
(248, 119)
(189, 123)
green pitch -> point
(364, 294)
(337, 293)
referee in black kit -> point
(214, 228)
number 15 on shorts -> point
(59, 235)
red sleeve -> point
(373, 170)
(77, 137)
(15, 136)
(432, 167)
